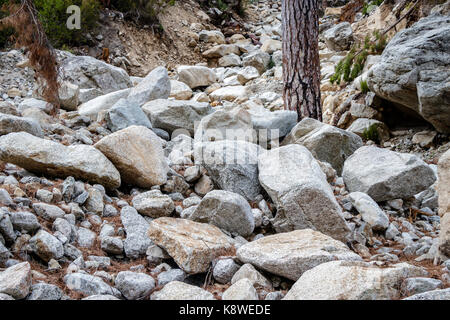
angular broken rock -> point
(176, 290)
(54, 159)
(153, 204)
(46, 246)
(138, 155)
(196, 76)
(241, 290)
(326, 143)
(192, 245)
(299, 189)
(226, 210)
(290, 254)
(89, 285)
(352, 280)
(10, 123)
(171, 115)
(124, 114)
(136, 227)
(156, 85)
(386, 175)
(16, 280)
(369, 210)
(232, 165)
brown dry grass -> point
(24, 19)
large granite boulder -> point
(196, 76)
(226, 210)
(156, 85)
(352, 280)
(339, 37)
(326, 143)
(232, 165)
(87, 72)
(192, 245)
(102, 103)
(386, 175)
(124, 114)
(414, 70)
(290, 254)
(138, 155)
(55, 159)
(171, 115)
(299, 188)
(10, 123)
(136, 227)
(226, 124)
(16, 280)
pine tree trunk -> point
(301, 65)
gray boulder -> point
(89, 285)
(339, 37)
(177, 290)
(414, 70)
(88, 72)
(24, 221)
(137, 153)
(134, 285)
(136, 227)
(10, 123)
(326, 143)
(241, 290)
(226, 210)
(257, 59)
(386, 175)
(196, 76)
(171, 115)
(156, 85)
(443, 294)
(224, 270)
(46, 246)
(124, 114)
(15, 281)
(277, 123)
(232, 165)
(290, 254)
(369, 210)
(352, 280)
(153, 204)
(45, 291)
(54, 159)
(299, 189)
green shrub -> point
(371, 133)
(364, 86)
(352, 64)
(53, 16)
(369, 4)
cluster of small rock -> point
(113, 198)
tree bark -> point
(301, 64)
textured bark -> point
(301, 65)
